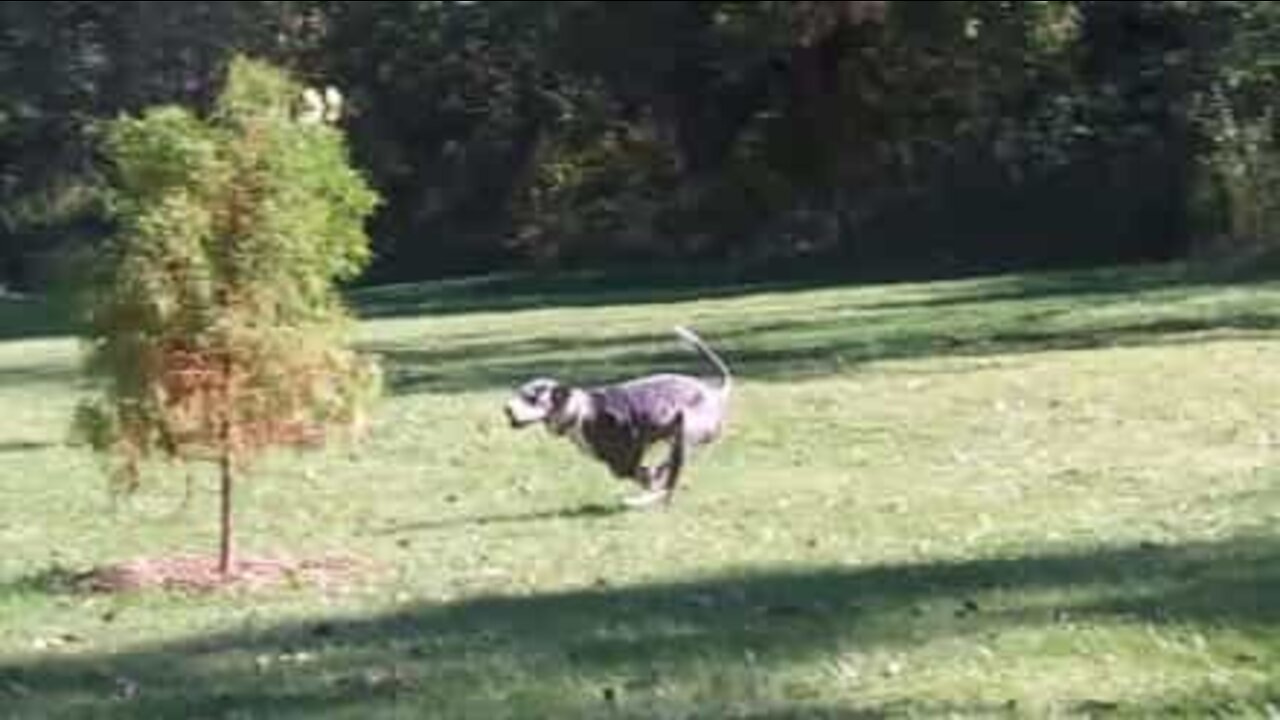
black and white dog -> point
(618, 424)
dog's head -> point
(542, 400)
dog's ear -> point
(559, 396)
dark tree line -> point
(882, 136)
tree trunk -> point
(227, 465)
(226, 554)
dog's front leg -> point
(651, 483)
(661, 481)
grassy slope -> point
(1022, 496)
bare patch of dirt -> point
(197, 573)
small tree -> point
(215, 328)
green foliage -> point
(1237, 113)
(1244, 167)
(214, 327)
(875, 132)
(597, 195)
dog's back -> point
(653, 401)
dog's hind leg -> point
(672, 468)
(660, 481)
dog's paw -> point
(647, 499)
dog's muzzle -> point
(520, 415)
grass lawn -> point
(1023, 496)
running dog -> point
(619, 424)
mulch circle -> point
(199, 573)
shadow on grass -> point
(501, 293)
(1013, 314)
(54, 580)
(514, 292)
(583, 512)
(26, 375)
(21, 446)
(789, 350)
(1205, 702)
(590, 652)
(23, 318)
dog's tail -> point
(690, 337)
